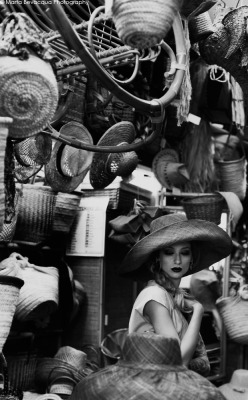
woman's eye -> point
(168, 252)
(186, 253)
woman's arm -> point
(190, 339)
(160, 318)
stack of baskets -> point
(42, 211)
(208, 207)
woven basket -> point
(21, 370)
(232, 176)
(9, 294)
(207, 207)
(41, 212)
(234, 313)
(29, 94)
(144, 23)
(200, 27)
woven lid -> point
(106, 166)
(68, 166)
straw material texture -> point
(106, 166)
(150, 369)
(42, 211)
(29, 94)
(210, 244)
(142, 23)
(232, 176)
(9, 294)
(234, 313)
(206, 207)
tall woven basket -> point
(144, 23)
(232, 175)
(9, 294)
(234, 313)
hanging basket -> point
(144, 23)
(207, 207)
(234, 313)
(232, 176)
(29, 94)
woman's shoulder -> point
(153, 291)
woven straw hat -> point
(150, 369)
(68, 166)
(106, 167)
(29, 94)
(237, 388)
(68, 362)
(168, 171)
(210, 244)
(9, 293)
(36, 149)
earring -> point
(191, 265)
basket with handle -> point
(207, 207)
(234, 313)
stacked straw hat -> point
(68, 166)
(167, 169)
(106, 167)
(150, 369)
(68, 363)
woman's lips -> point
(176, 269)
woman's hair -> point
(162, 279)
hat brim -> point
(54, 178)
(231, 394)
(210, 244)
(122, 132)
(49, 369)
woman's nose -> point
(177, 259)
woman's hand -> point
(193, 305)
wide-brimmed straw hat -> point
(209, 242)
(150, 369)
(106, 167)
(67, 362)
(237, 388)
(68, 166)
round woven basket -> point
(9, 295)
(207, 207)
(143, 23)
(234, 313)
(29, 94)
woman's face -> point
(175, 260)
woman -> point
(174, 248)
